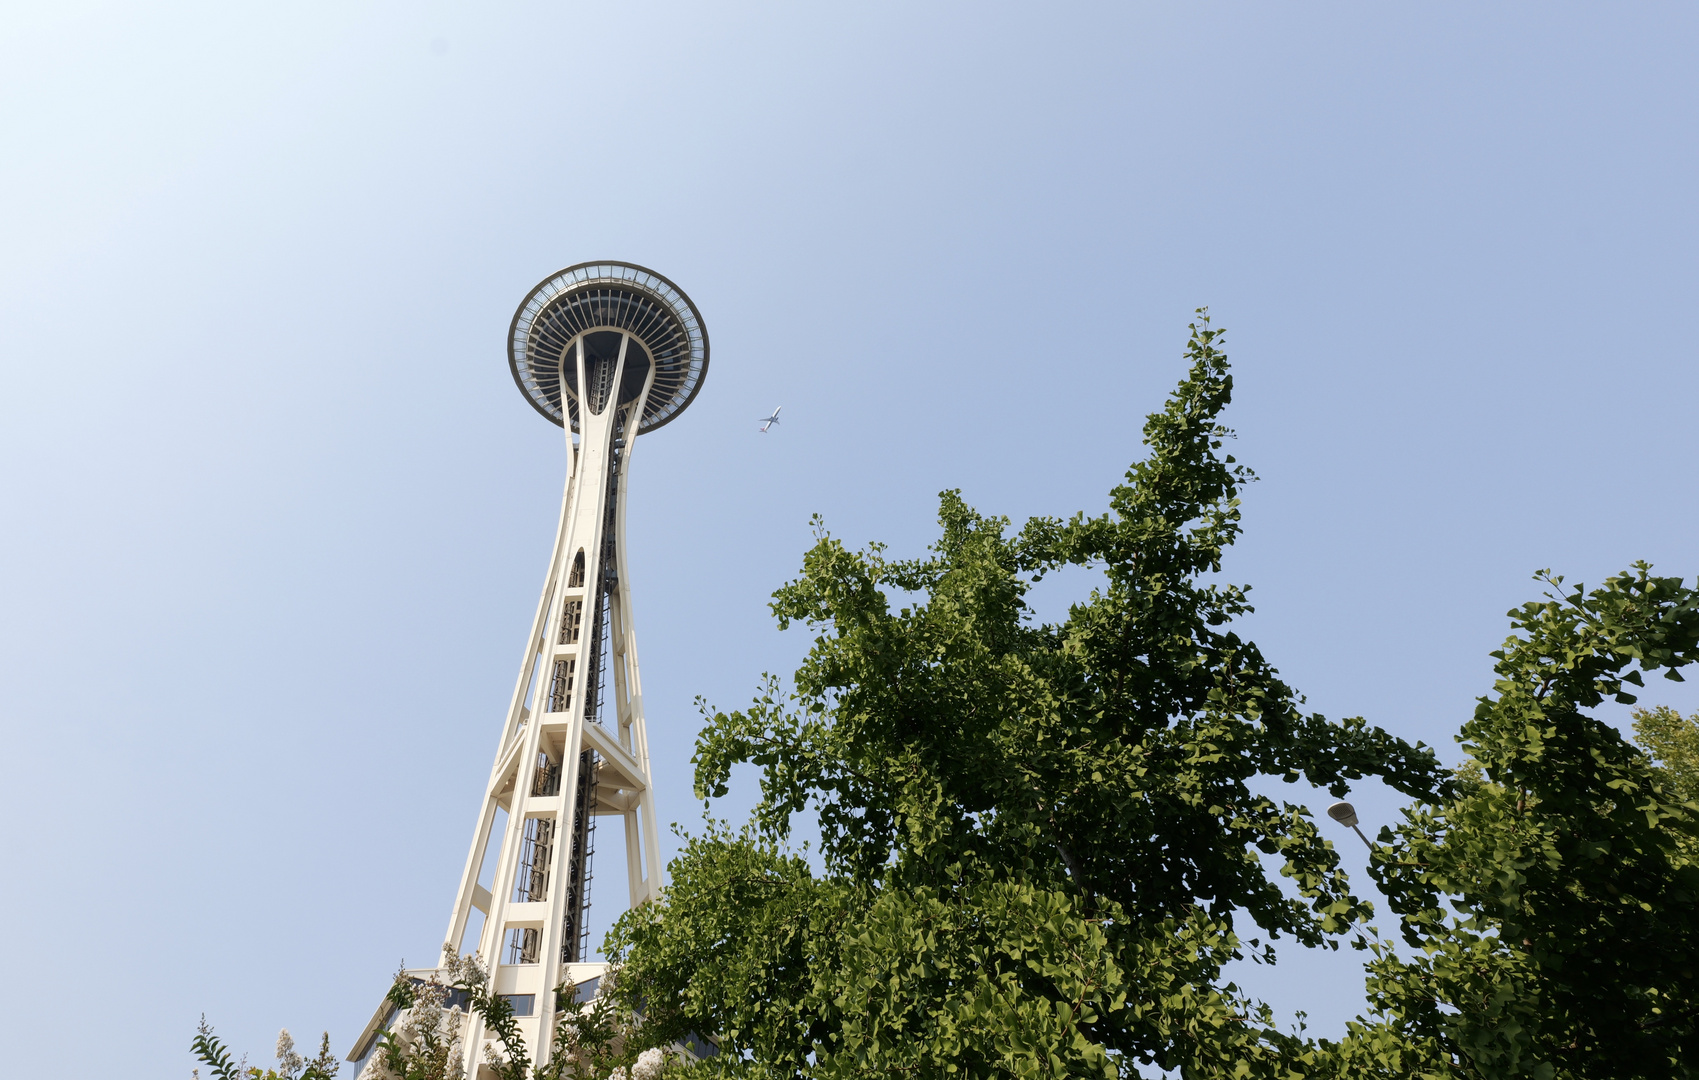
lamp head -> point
(1344, 813)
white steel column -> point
(562, 706)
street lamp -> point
(1346, 814)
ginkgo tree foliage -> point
(1553, 899)
(1040, 844)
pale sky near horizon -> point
(276, 516)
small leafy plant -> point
(290, 1065)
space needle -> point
(607, 351)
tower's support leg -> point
(574, 732)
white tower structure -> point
(607, 351)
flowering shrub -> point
(594, 1039)
(290, 1065)
(425, 1042)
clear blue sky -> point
(275, 515)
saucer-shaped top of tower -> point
(600, 302)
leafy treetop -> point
(1037, 839)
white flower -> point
(289, 1062)
(424, 1019)
(463, 970)
(618, 1073)
(566, 1030)
(456, 1067)
(648, 1065)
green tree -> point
(1673, 742)
(1039, 843)
(1566, 857)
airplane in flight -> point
(769, 421)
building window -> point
(575, 580)
(523, 1004)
